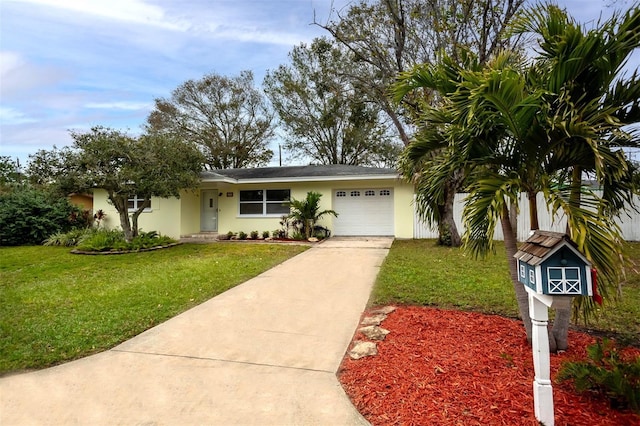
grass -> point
(57, 306)
(418, 272)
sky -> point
(74, 64)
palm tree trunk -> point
(511, 247)
(560, 330)
(448, 234)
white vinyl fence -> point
(629, 222)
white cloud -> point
(122, 105)
(11, 116)
(134, 11)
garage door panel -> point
(363, 211)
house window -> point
(369, 193)
(355, 193)
(523, 273)
(341, 194)
(532, 277)
(135, 202)
(269, 202)
(385, 193)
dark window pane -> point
(130, 204)
(278, 194)
(276, 208)
(251, 195)
(251, 208)
(572, 273)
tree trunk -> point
(122, 208)
(560, 330)
(134, 217)
(511, 248)
(448, 234)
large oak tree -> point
(226, 117)
(325, 116)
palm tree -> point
(307, 212)
(539, 127)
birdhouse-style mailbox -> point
(549, 263)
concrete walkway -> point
(263, 353)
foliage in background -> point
(29, 216)
(57, 306)
(606, 371)
(10, 175)
(126, 167)
(326, 118)
(226, 117)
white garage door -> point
(365, 211)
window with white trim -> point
(355, 193)
(385, 192)
(369, 193)
(264, 202)
(341, 194)
(532, 277)
(135, 202)
(564, 280)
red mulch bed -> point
(443, 367)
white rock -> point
(362, 349)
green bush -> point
(28, 216)
(242, 235)
(102, 240)
(265, 234)
(113, 240)
(254, 235)
(67, 239)
(607, 373)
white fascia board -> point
(223, 179)
(318, 179)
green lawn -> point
(56, 306)
(417, 272)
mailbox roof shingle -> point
(536, 247)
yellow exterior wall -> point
(180, 217)
(229, 219)
(163, 217)
(189, 212)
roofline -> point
(304, 179)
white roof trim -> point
(304, 179)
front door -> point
(209, 210)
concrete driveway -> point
(263, 353)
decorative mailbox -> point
(549, 263)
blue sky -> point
(72, 64)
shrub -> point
(265, 234)
(29, 216)
(67, 239)
(102, 240)
(254, 235)
(113, 240)
(607, 373)
(242, 235)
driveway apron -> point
(263, 353)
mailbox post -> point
(552, 270)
